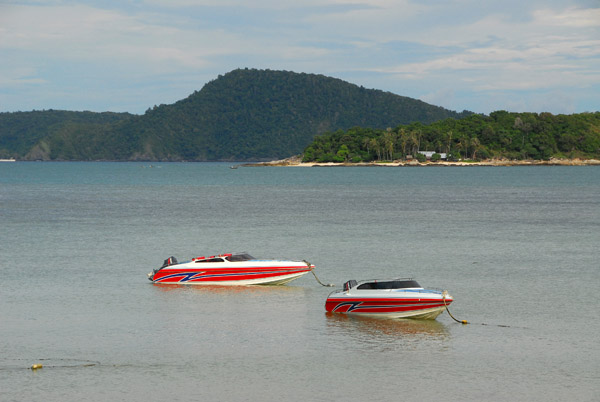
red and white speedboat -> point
(229, 269)
(397, 298)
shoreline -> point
(296, 162)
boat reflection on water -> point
(373, 328)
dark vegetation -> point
(246, 114)
(41, 134)
(502, 135)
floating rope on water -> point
(48, 363)
(312, 270)
(444, 294)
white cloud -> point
(421, 49)
(571, 17)
(86, 34)
(520, 55)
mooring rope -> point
(52, 363)
(444, 294)
(312, 270)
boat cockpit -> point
(382, 285)
(237, 257)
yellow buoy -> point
(36, 366)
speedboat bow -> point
(229, 269)
(397, 298)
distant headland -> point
(500, 139)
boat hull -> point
(389, 307)
(188, 274)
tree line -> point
(502, 135)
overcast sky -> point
(127, 56)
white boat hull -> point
(379, 299)
(218, 270)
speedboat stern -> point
(168, 262)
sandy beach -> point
(297, 162)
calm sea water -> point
(517, 247)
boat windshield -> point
(240, 257)
(215, 259)
(401, 284)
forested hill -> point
(246, 114)
(32, 133)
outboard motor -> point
(169, 261)
(350, 284)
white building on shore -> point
(429, 154)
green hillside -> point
(24, 133)
(246, 114)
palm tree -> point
(476, 145)
(388, 144)
(404, 140)
(414, 141)
(465, 141)
(463, 144)
(366, 142)
(375, 144)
